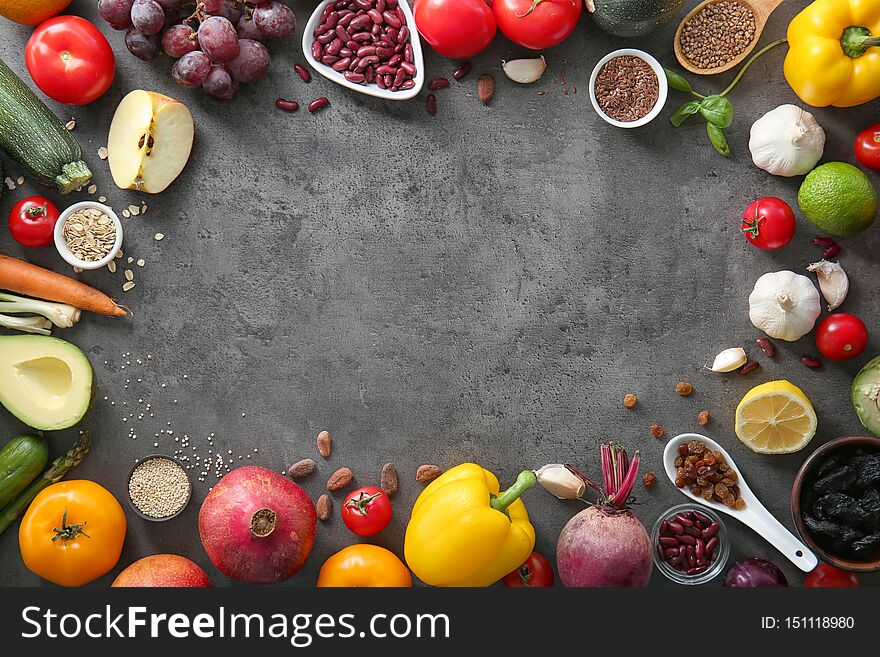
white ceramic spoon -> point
(754, 515)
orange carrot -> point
(24, 278)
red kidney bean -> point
(385, 53)
(409, 68)
(342, 64)
(392, 3)
(403, 35)
(357, 78)
(381, 5)
(390, 37)
(369, 74)
(461, 71)
(385, 69)
(408, 84)
(399, 77)
(355, 62)
(676, 528)
(664, 527)
(684, 520)
(318, 104)
(353, 45)
(317, 50)
(391, 19)
(401, 17)
(332, 20)
(700, 549)
(440, 83)
(823, 242)
(431, 104)
(346, 20)
(364, 4)
(695, 571)
(711, 544)
(360, 22)
(687, 539)
(380, 82)
(749, 367)
(389, 80)
(692, 531)
(302, 72)
(369, 60)
(376, 16)
(329, 60)
(346, 52)
(328, 9)
(327, 37)
(702, 518)
(376, 30)
(408, 53)
(766, 346)
(399, 47)
(363, 51)
(287, 105)
(710, 531)
(811, 361)
(342, 33)
(831, 252)
(334, 46)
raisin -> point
(680, 478)
(684, 388)
(721, 490)
(649, 479)
(630, 401)
(657, 430)
(740, 504)
(707, 493)
(730, 501)
(679, 461)
(703, 418)
(683, 450)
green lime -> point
(838, 198)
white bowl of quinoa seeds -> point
(158, 487)
(628, 88)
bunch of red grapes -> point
(217, 43)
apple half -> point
(150, 141)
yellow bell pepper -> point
(464, 532)
(833, 57)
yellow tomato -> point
(364, 565)
(31, 12)
(72, 533)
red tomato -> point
(867, 147)
(536, 572)
(537, 24)
(841, 336)
(366, 511)
(456, 28)
(70, 60)
(826, 575)
(32, 221)
(768, 223)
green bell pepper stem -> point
(749, 63)
(526, 480)
(856, 40)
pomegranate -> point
(257, 526)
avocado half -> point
(45, 382)
(866, 396)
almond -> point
(324, 507)
(325, 444)
(428, 473)
(340, 479)
(388, 480)
(302, 469)
(485, 88)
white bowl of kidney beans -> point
(371, 46)
(690, 544)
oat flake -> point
(127, 286)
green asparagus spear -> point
(60, 467)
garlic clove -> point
(560, 481)
(833, 282)
(525, 71)
(730, 360)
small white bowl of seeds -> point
(158, 487)
(88, 235)
(628, 88)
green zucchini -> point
(22, 459)
(34, 137)
(630, 18)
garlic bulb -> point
(784, 305)
(525, 71)
(787, 141)
(729, 360)
(833, 282)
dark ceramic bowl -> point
(134, 506)
(805, 474)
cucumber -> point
(34, 137)
(22, 459)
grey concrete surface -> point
(484, 285)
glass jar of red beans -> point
(691, 545)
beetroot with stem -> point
(605, 544)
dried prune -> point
(839, 479)
(834, 460)
(869, 472)
(821, 527)
(865, 547)
(841, 508)
(843, 542)
(870, 504)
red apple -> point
(163, 570)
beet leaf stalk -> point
(618, 473)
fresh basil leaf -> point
(717, 110)
(678, 82)
(688, 109)
(719, 141)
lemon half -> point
(775, 418)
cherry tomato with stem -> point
(537, 24)
(32, 221)
(867, 147)
(536, 572)
(841, 336)
(366, 511)
(826, 576)
(456, 28)
(768, 223)
(70, 60)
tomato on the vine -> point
(841, 336)
(826, 576)
(366, 511)
(70, 60)
(456, 28)
(768, 223)
(867, 147)
(32, 221)
(536, 572)
(537, 24)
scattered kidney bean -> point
(438, 83)
(749, 367)
(318, 104)
(431, 104)
(461, 71)
(685, 552)
(831, 252)
(811, 361)
(766, 346)
(287, 105)
(823, 242)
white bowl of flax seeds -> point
(628, 88)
